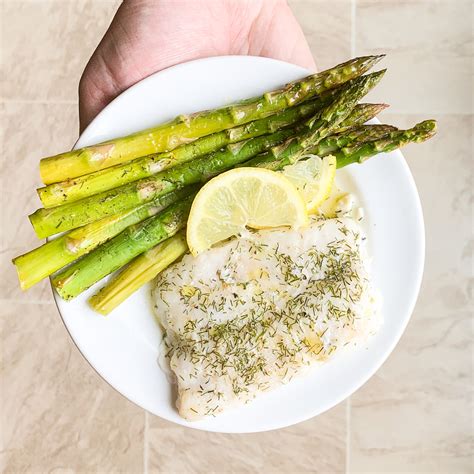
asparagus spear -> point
(319, 127)
(186, 128)
(121, 249)
(78, 188)
(118, 251)
(351, 137)
(117, 290)
(77, 213)
(55, 254)
(140, 271)
(109, 178)
(50, 221)
(396, 139)
(361, 114)
(345, 133)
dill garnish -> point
(268, 310)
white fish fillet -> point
(250, 315)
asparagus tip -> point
(379, 74)
(426, 129)
(375, 58)
(371, 57)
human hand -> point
(147, 36)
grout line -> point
(391, 111)
(19, 301)
(38, 101)
(353, 28)
(66, 1)
(145, 444)
(348, 435)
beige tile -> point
(327, 27)
(57, 414)
(415, 415)
(443, 172)
(317, 445)
(46, 45)
(31, 131)
(429, 47)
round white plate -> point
(123, 347)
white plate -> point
(123, 347)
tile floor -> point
(415, 415)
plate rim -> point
(411, 303)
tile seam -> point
(38, 101)
(348, 435)
(145, 444)
(33, 301)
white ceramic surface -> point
(123, 347)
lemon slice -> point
(314, 178)
(240, 198)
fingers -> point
(277, 34)
(98, 84)
(96, 89)
(144, 37)
(147, 36)
(114, 66)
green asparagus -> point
(116, 291)
(55, 254)
(361, 114)
(351, 137)
(121, 249)
(50, 221)
(138, 272)
(78, 188)
(107, 258)
(109, 178)
(185, 128)
(319, 127)
(47, 222)
(43, 261)
(396, 139)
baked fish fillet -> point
(255, 312)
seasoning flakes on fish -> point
(253, 313)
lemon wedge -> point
(240, 198)
(314, 178)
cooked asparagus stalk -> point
(364, 145)
(140, 271)
(55, 254)
(47, 222)
(186, 128)
(43, 261)
(117, 290)
(360, 152)
(350, 137)
(107, 258)
(50, 221)
(319, 127)
(350, 131)
(118, 251)
(78, 188)
(361, 114)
